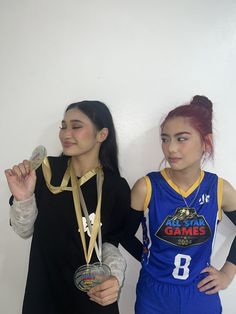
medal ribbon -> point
(98, 247)
(75, 188)
(65, 180)
(96, 225)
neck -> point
(83, 165)
(184, 179)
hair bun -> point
(202, 101)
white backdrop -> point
(141, 58)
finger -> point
(28, 168)
(205, 281)
(107, 284)
(213, 291)
(26, 164)
(98, 288)
(208, 269)
(24, 169)
(208, 286)
(9, 173)
(104, 301)
(16, 171)
(103, 293)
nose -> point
(172, 147)
(65, 133)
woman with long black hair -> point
(75, 207)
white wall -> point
(141, 58)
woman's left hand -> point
(215, 281)
(105, 293)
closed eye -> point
(73, 127)
(164, 139)
(76, 127)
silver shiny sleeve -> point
(114, 259)
(23, 215)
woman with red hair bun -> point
(180, 208)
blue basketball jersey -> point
(178, 235)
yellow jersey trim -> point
(177, 189)
(148, 194)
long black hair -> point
(101, 117)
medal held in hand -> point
(101, 272)
(88, 276)
(37, 157)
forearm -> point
(129, 240)
(232, 253)
(229, 269)
(23, 215)
(134, 246)
(114, 259)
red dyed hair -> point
(199, 112)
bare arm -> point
(229, 197)
(218, 280)
(138, 195)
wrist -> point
(24, 202)
(23, 197)
(228, 270)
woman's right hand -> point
(21, 180)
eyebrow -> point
(74, 120)
(177, 134)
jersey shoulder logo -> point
(185, 228)
(205, 198)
